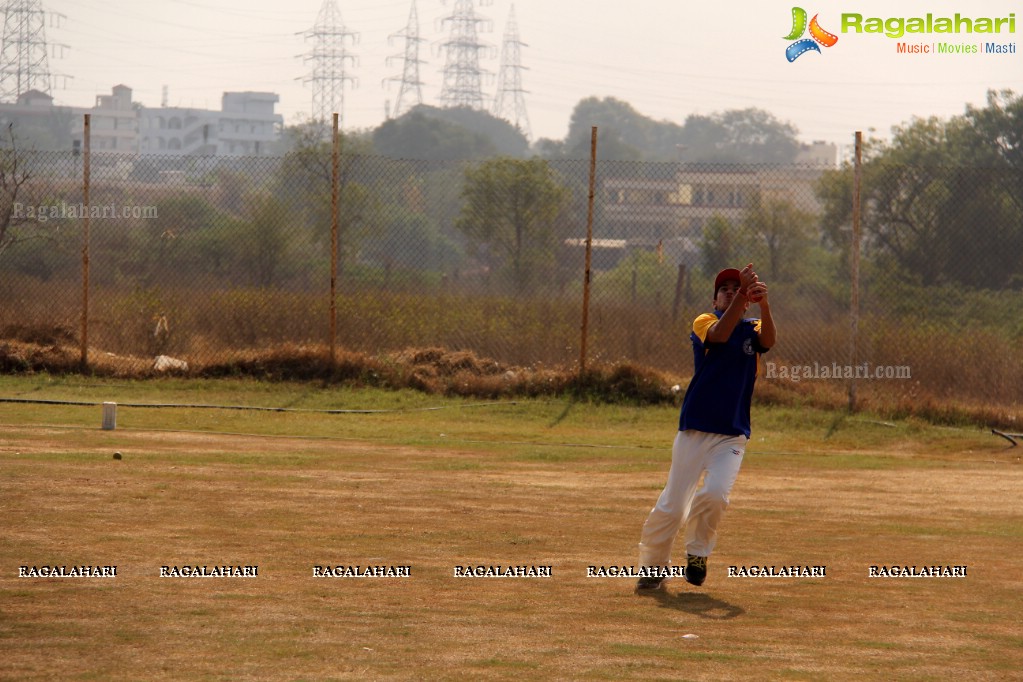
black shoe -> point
(696, 569)
(649, 583)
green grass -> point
(535, 428)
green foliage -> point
(994, 135)
(510, 218)
(774, 234)
(506, 138)
(780, 234)
(423, 134)
(171, 243)
(834, 190)
(623, 133)
(942, 203)
(216, 251)
(641, 277)
(232, 189)
(719, 245)
(265, 249)
(737, 136)
(412, 241)
(42, 254)
(304, 184)
(959, 309)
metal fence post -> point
(589, 249)
(335, 156)
(854, 269)
(85, 242)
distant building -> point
(817, 153)
(113, 122)
(176, 131)
(670, 213)
(34, 99)
(37, 123)
(246, 125)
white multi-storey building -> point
(246, 125)
(113, 122)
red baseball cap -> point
(724, 276)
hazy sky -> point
(667, 58)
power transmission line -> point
(463, 77)
(24, 55)
(329, 56)
(410, 87)
(509, 102)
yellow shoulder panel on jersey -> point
(702, 324)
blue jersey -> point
(719, 394)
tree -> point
(642, 277)
(305, 180)
(623, 132)
(265, 247)
(168, 245)
(701, 139)
(424, 134)
(510, 217)
(610, 145)
(755, 136)
(18, 217)
(942, 201)
(505, 137)
(412, 241)
(994, 138)
(736, 136)
(783, 232)
(718, 245)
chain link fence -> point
(199, 257)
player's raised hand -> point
(746, 278)
(757, 292)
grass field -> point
(433, 483)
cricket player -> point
(714, 426)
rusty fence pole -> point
(86, 152)
(335, 173)
(589, 251)
(854, 269)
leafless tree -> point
(14, 175)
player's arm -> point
(768, 333)
(721, 330)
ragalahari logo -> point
(817, 35)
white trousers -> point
(694, 454)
